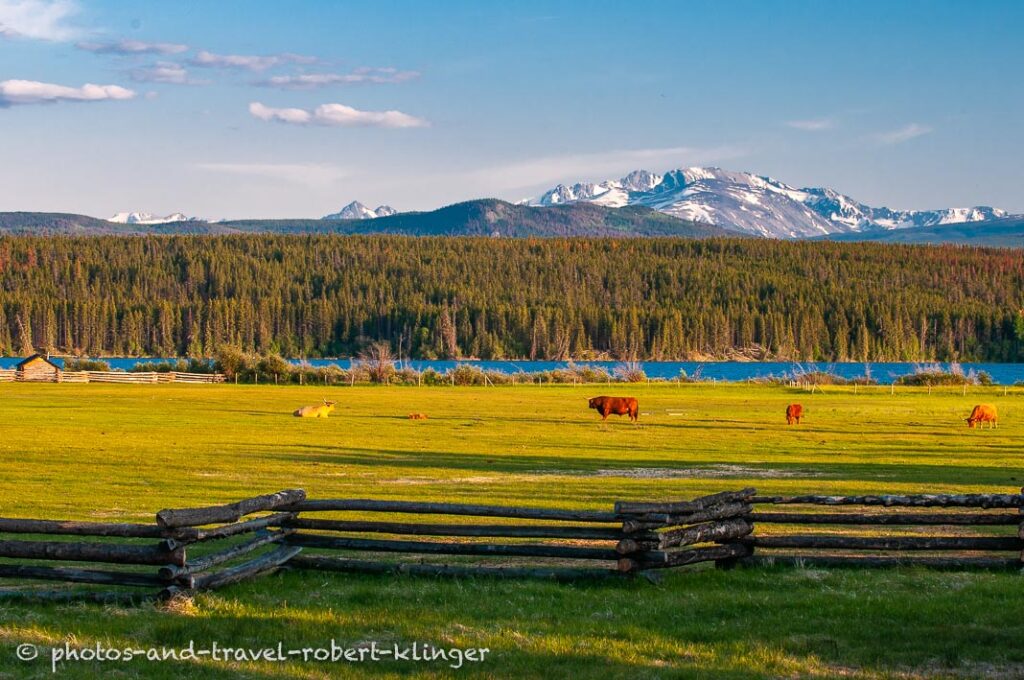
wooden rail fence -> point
(136, 377)
(191, 549)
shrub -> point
(85, 364)
(233, 362)
(630, 372)
(378, 361)
(934, 376)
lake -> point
(883, 372)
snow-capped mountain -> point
(147, 218)
(357, 211)
(750, 203)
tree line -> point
(622, 299)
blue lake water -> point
(883, 372)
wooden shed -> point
(38, 368)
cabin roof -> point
(35, 357)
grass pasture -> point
(121, 452)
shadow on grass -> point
(939, 473)
(778, 622)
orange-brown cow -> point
(620, 406)
(983, 413)
(794, 412)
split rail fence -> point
(144, 377)
(194, 549)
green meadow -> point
(122, 452)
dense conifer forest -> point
(310, 296)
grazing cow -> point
(983, 413)
(316, 411)
(620, 406)
(417, 416)
(794, 412)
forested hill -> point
(1004, 232)
(485, 217)
(491, 298)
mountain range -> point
(483, 217)
(688, 202)
(754, 204)
(146, 218)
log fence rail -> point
(191, 549)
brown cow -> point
(983, 413)
(794, 412)
(620, 406)
(417, 416)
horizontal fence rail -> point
(191, 549)
(127, 377)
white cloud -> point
(903, 134)
(129, 47)
(308, 174)
(37, 19)
(295, 116)
(248, 62)
(16, 92)
(309, 81)
(337, 115)
(164, 72)
(812, 125)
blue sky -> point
(293, 109)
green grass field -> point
(121, 452)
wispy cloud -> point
(903, 134)
(309, 81)
(38, 19)
(23, 92)
(336, 115)
(812, 124)
(130, 47)
(246, 62)
(164, 72)
(308, 174)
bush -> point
(934, 376)
(465, 374)
(275, 365)
(630, 372)
(233, 362)
(431, 377)
(379, 362)
(85, 364)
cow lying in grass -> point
(316, 411)
(620, 406)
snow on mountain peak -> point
(753, 203)
(147, 218)
(357, 211)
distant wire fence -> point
(196, 549)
